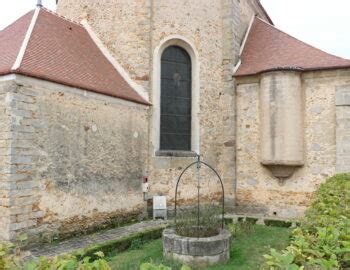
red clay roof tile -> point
(268, 48)
(62, 51)
(11, 39)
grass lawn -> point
(247, 249)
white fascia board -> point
(236, 67)
(25, 42)
(246, 35)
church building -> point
(100, 97)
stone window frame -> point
(188, 46)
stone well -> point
(197, 252)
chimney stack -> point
(39, 4)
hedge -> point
(322, 240)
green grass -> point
(247, 249)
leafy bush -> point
(278, 223)
(322, 241)
(11, 261)
(151, 266)
(282, 260)
(67, 262)
(8, 259)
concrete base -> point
(197, 252)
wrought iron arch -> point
(199, 163)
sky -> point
(10, 10)
(322, 23)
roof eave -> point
(291, 69)
(27, 74)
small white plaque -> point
(159, 202)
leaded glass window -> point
(175, 111)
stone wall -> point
(343, 128)
(123, 26)
(216, 29)
(132, 30)
(200, 23)
(82, 157)
(18, 186)
(5, 144)
(258, 191)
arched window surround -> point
(175, 40)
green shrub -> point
(278, 223)
(67, 262)
(9, 260)
(284, 260)
(322, 240)
(151, 266)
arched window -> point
(175, 100)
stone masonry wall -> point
(5, 144)
(18, 186)
(76, 160)
(343, 128)
(257, 190)
(93, 156)
(200, 22)
(123, 26)
(132, 30)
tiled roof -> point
(60, 51)
(268, 48)
(11, 39)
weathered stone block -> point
(22, 113)
(22, 225)
(18, 177)
(27, 184)
(22, 160)
(342, 95)
(20, 97)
